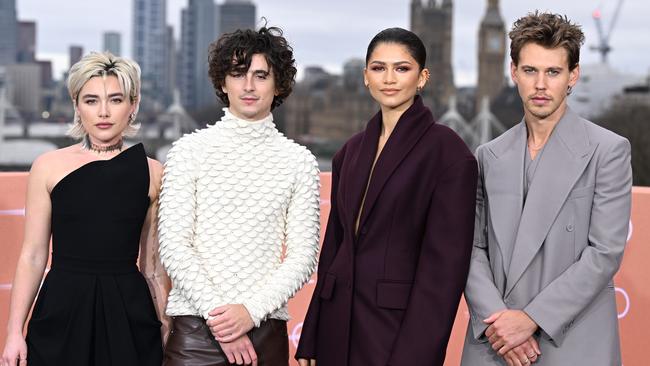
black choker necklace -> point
(101, 149)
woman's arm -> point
(442, 268)
(150, 266)
(32, 260)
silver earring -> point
(569, 90)
(132, 118)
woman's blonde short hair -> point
(104, 64)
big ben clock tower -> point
(491, 54)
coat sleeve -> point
(482, 296)
(176, 218)
(301, 233)
(441, 270)
(333, 237)
(559, 303)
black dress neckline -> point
(71, 174)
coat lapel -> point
(409, 129)
(359, 171)
(504, 177)
(563, 161)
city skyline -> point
(342, 30)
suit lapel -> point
(564, 159)
(504, 175)
(408, 131)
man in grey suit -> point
(553, 206)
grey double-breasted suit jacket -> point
(566, 242)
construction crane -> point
(603, 46)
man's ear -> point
(574, 75)
(513, 72)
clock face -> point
(494, 42)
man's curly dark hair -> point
(234, 52)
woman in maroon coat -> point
(399, 237)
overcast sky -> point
(328, 32)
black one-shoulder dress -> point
(94, 307)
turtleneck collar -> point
(236, 127)
(231, 119)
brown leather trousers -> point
(190, 343)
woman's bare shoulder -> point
(48, 161)
(52, 166)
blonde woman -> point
(96, 200)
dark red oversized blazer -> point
(389, 295)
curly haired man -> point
(239, 214)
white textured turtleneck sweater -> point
(232, 195)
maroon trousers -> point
(190, 343)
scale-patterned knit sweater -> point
(233, 196)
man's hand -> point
(524, 354)
(229, 322)
(508, 329)
(306, 362)
(240, 351)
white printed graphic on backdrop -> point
(629, 231)
(294, 337)
(627, 302)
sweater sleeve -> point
(331, 242)
(301, 231)
(177, 216)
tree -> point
(632, 121)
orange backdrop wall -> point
(632, 286)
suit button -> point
(569, 227)
(364, 230)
